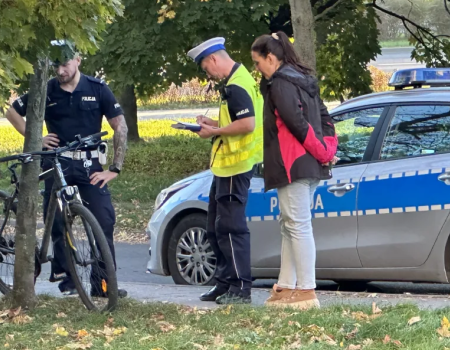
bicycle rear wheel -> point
(7, 243)
(89, 259)
(8, 212)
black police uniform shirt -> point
(80, 112)
(240, 104)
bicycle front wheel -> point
(89, 259)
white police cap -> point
(206, 48)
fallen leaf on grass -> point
(218, 340)
(375, 309)
(227, 311)
(352, 334)
(323, 338)
(15, 316)
(14, 312)
(413, 320)
(361, 316)
(295, 345)
(292, 323)
(109, 322)
(367, 342)
(353, 347)
(61, 331)
(387, 339)
(61, 315)
(76, 346)
(159, 317)
(110, 333)
(21, 319)
(82, 333)
(199, 346)
(10, 337)
(443, 331)
(165, 326)
(397, 343)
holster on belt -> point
(102, 153)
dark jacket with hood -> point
(299, 135)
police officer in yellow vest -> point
(237, 148)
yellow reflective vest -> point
(233, 155)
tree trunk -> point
(23, 290)
(303, 25)
(128, 102)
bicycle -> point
(68, 200)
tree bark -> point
(128, 102)
(303, 25)
(23, 290)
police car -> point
(383, 216)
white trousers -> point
(298, 249)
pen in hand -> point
(200, 118)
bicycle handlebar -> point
(75, 144)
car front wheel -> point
(191, 259)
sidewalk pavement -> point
(189, 296)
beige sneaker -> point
(305, 299)
(299, 299)
(279, 296)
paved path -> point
(188, 295)
(132, 276)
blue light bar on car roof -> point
(416, 77)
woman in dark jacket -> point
(299, 145)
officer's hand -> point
(50, 141)
(104, 177)
(201, 119)
(207, 131)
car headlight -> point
(165, 194)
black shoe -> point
(66, 287)
(122, 293)
(232, 298)
(213, 294)
(69, 292)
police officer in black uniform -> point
(76, 104)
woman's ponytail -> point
(280, 46)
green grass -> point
(178, 105)
(395, 43)
(65, 324)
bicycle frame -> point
(59, 198)
(61, 195)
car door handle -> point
(445, 177)
(341, 189)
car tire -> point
(191, 223)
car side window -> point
(417, 130)
(354, 130)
